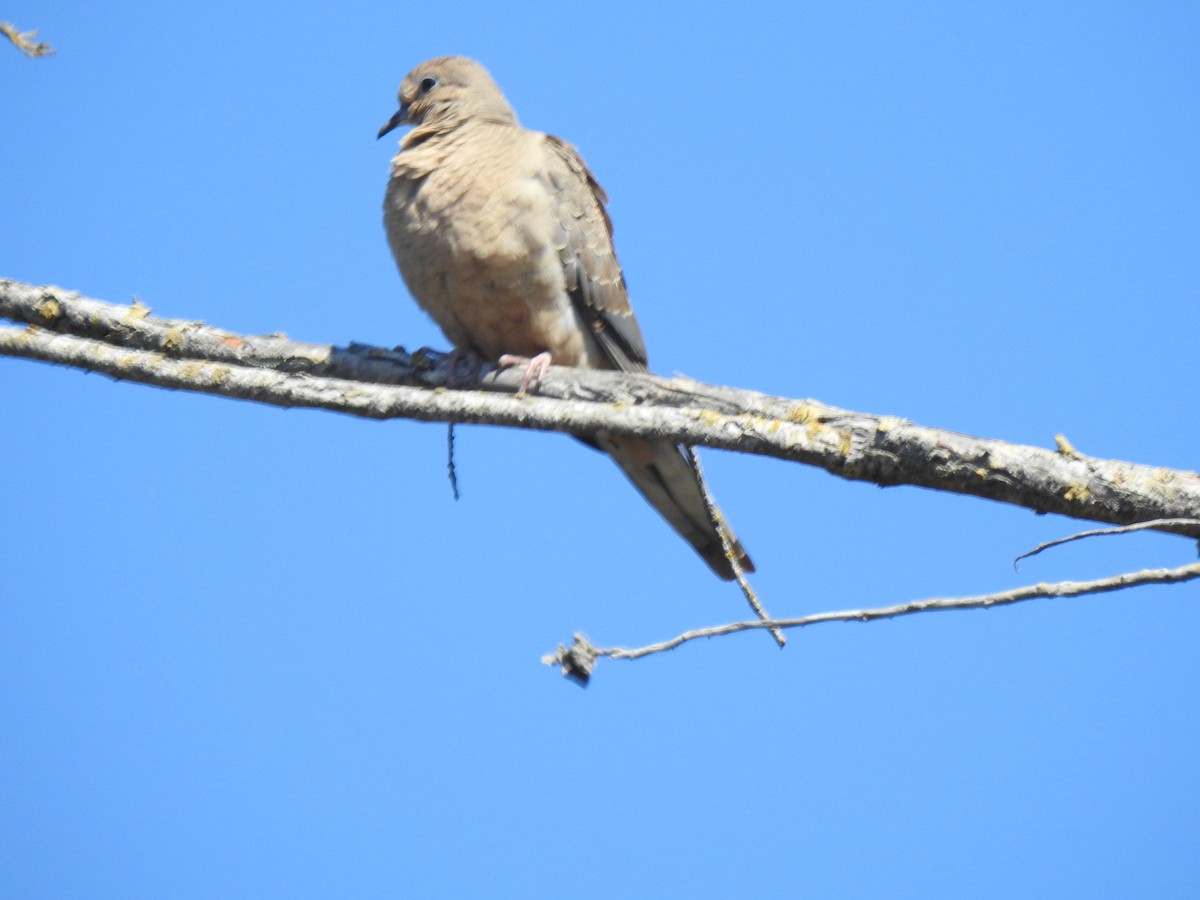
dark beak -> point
(400, 118)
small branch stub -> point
(26, 41)
(575, 662)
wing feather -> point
(594, 279)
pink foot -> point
(534, 368)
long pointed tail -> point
(667, 477)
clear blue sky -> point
(247, 652)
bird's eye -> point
(428, 83)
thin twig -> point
(583, 649)
(1124, 529)
(451, 469)
(718, 522)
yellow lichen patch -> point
(886, 424)
(1063, 446)
(845, 442)
(222, 375)
(799, 414)
(1164, 476)
(49, 309)
(173, 339)
(137, 311)
(708, 417)
(1077, 492)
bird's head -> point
(446, 92)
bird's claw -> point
(535, 368)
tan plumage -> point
(502, 237)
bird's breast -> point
(477, 247)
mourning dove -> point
(502, 236)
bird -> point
(503, 237)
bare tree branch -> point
(578, 660)
(26, 41)
(129, 343)
(1124, 529)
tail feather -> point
(668, 477)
